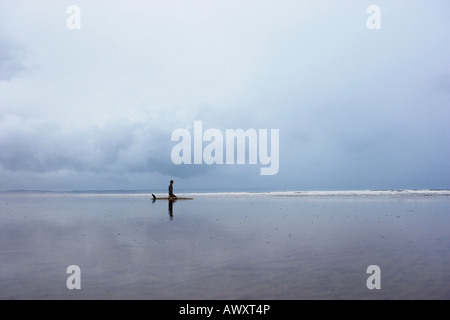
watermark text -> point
(231, 151)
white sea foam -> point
(343, 193)
(311, 193)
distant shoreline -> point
(396, 192)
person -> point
(171, 194)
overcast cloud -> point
(95, 108)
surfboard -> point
(170, 198)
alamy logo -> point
(373, 22)
(73, 22)
(74, 280)
(234, 151)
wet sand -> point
(224, 246)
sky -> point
(92, 103)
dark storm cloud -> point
(44, 147)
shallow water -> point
(224, 246)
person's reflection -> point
(171, 201)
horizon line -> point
(202, 190)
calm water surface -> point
(224, 247)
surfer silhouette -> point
(171, 194)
